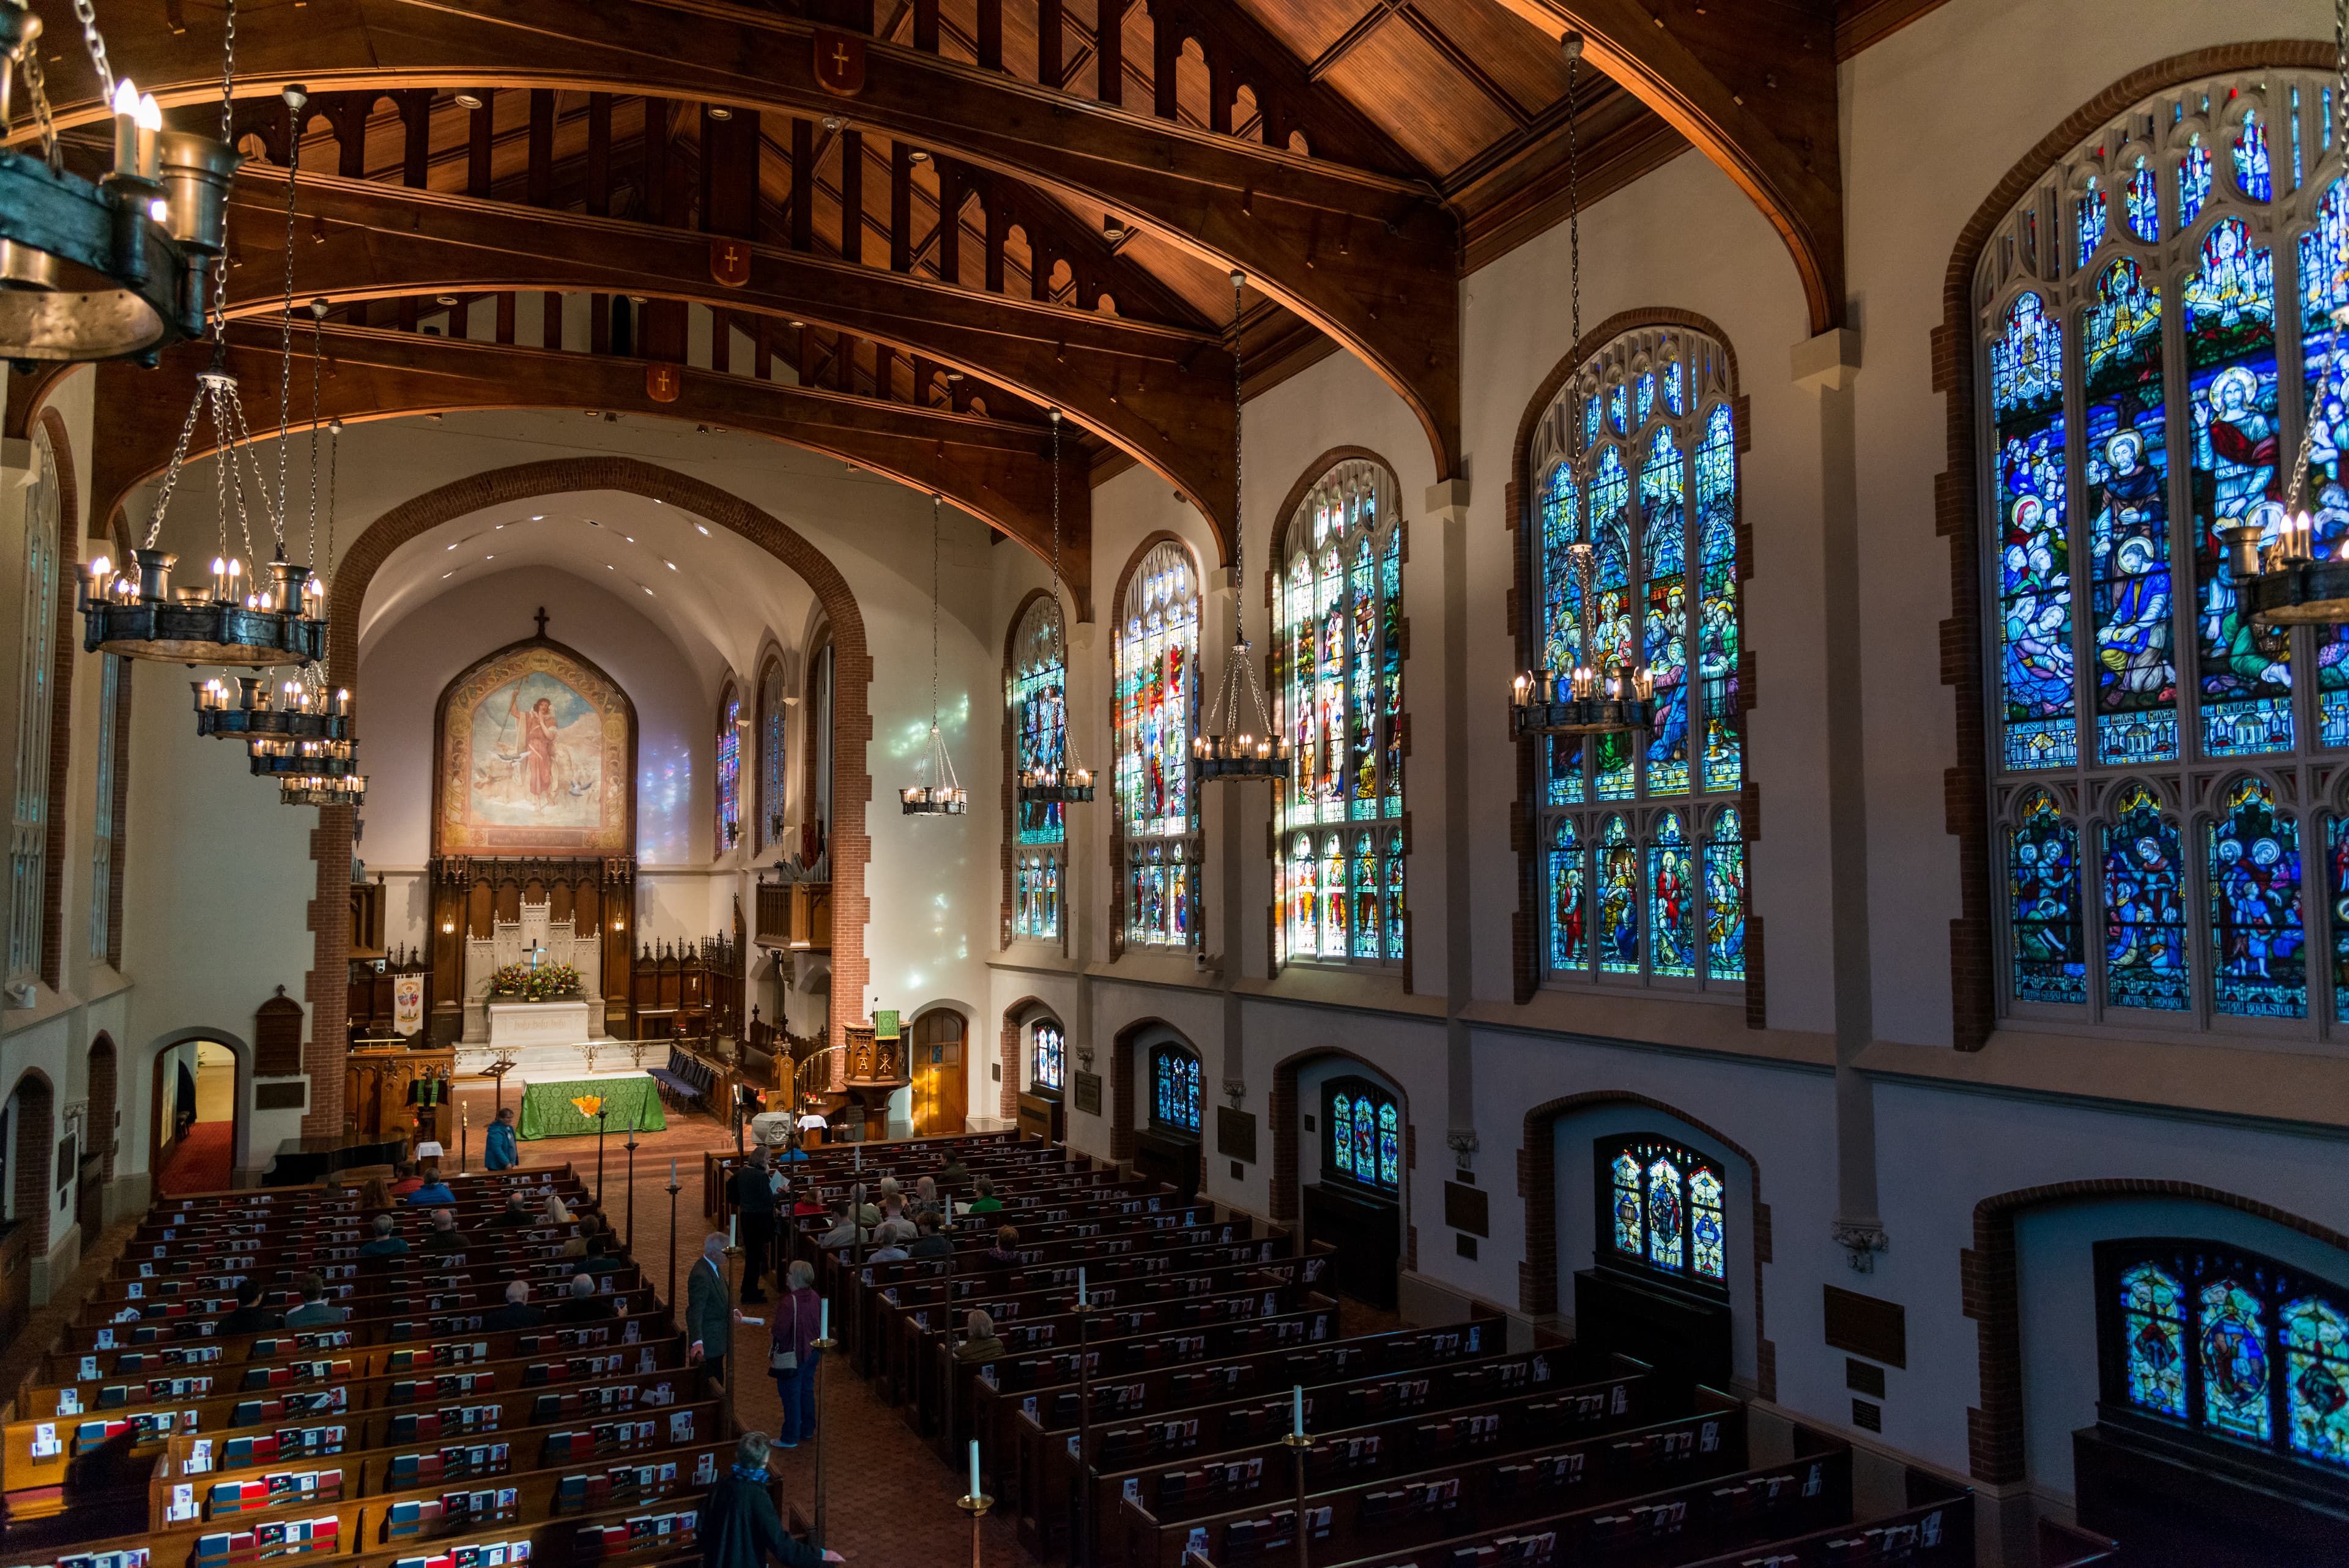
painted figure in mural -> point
(2038, 626)
(536, 771)
(2135, 642)
(2146, 932)
(2252, 901)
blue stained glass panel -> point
(1630, 1215)
(1049, 1055)
(1676, 387)
(1718, 641)
(2232, 1342)
(1612, 626)
(729, 770)
(2145, 906)
(2144, 204)
(2316, 1379)
(2128, 520)
(1570, 951)
(2254, 174)
(1666, 1244)
(1725, 896)
(2044, 909)
(1342, 1133)
(2153, 1330)
(1619, 410)
(1562, 650)
(1663, 549)
(2088, 226)
(2034, 549)
(2193, 184)
(2336, 854)
(1175, 1079)
(2325, 288)
(1619, 900)
(1394, 875)
(1704, 1225)
(2253, 865)
(1389, 1148)
(1644, 399)
(1672, 900)
(2229, 315)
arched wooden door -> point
(940, 1046)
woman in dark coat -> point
(738, 1527)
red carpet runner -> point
(201, 1162)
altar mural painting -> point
(536, 752)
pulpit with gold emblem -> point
(389, 1089)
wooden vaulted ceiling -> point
(935, 241)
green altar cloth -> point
(547, 1110)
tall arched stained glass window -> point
(1173, 1089)
(1362, 1141)
(28, 856)
(1046, 1069)
(1040, 731)
(1660, 1208)
(2212, 1340)
(1157, 714)
(773, 714)
(1339, 678)
(2143, 385)
(728, 824)
(1634, 466)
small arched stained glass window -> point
(1660, 1208)
(1362, 1139)
(1173, 1089)
(1047, 1071)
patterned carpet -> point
(199, 1161)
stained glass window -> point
(1364, 1142)
(773, 712)
(1660, 1207)
(1046, 1073)
(1039, 725)
(1173, 1089)
(1636, 556)
(28, 858)
(1338, 676)
(2044, 892)
(2090, 230)
(2252, 864)
(729, 769)
(2229, 1345)
(1157, 714)
(2135, 410)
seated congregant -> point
(387, 1242)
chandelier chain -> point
(2292, 501)
(318, 333)
(935, 501)
(36, 87)
(228, 126)
(1573, 195)
(87, 16)
(286, 328)
(171, 476)
(1239, 520)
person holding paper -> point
(791, 1358)
(739, 1528)
(711, 1313)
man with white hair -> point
(517, 1311)
(711, 1313)
(739, 1528)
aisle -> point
(890, 1502)
(199, 1161)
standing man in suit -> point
(711, 1313)
(754, 1200)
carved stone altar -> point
(516, 941)
(518, 1026)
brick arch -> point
(37, 1143)
(1987, 1277)
(1016, 1019)
(104, 1072)
(850, 843)
(1283, 1111)
(1957, 504)
(1537, 1186)
(1517, 513)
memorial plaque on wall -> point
(277, 1037)
(1236, 1133)
(1089, 1093)
(1466, 1209)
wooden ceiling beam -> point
(1162, 393)
(999, 472)
(1754, 89)
(1368, 256)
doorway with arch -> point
(192, 1135)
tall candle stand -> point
(947, 1405)
(1300, 1443)
(733, 1251)
(975, 1505)
(824, 1348)
(603, 1113)
(631, 1147)
(1081, 1548)
(464, 1131)
(674, 1189)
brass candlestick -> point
(824, 1348)
(1300, 1443)
(975, 1505)
(1081, 1548)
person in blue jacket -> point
(499, 1151)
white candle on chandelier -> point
(149, 120)
(125, 105)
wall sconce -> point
(448, 928)
(1238, 1089)
(618, 924)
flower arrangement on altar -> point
(589, 1105)
(541, 982)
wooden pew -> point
(1372, 1423)
(1395, 1513)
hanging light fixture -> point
(233, 619)
(939, 793)
(322, 789)
(1072, 784)
(118, 268)
(2288, 580)
(1618, 699)
(1231, 749)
